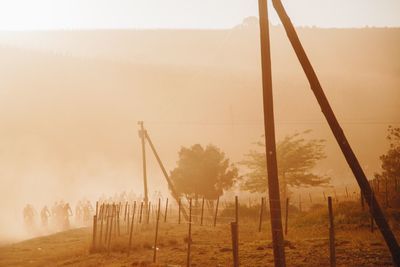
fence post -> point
(202, 212)
(141, 212)
(127, 218)
(166, 211)
(101, 222)
(331, 234)
(148, 213)
(107, 224)
(94, 231)
(347, 193)
(216, 212)
(189, 234)
(111, 226)
(131, 231)
(286, 216)
(126, 209)
(323, 192)
(235, 243)
(118, 216)
(157, 222)
(261, 214)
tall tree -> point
(391, 159)
(296, 158)
(203, 172)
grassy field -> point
(306, 245)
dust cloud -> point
(70, 102)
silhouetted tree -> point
(203, 172)
(296, 158)
(391, 160)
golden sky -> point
(83, 14)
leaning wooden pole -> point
(269, 125)
(171, 187)
(338, 133)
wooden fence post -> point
(235, 243)
(101, 222)
(156, 236)
(111, 227)
(189, 234)
(126, 209)
(94, 231)
(286, 216)
(202, 212)
(323, 192)
(216, 212)
(331, 234)
(128, 218)
(141, 212)
(131, 231)
(118, 216)
(261, 214)
(166, 211)
(347, 193)
(148, 213)
(107, 224)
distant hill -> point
(70, 100)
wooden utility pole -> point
(338, 132)
(332, 249)
(142, 136)
(171, 187)
(270, 146)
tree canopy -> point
(296, 158)
(203, 172)
(391, 159)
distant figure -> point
(29, 217)
(79, 213)
(66, 213)
(44, 216)
(87, 212)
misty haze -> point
(147, 147)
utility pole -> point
(171, 187)
(337, 131)
(142, 135)
(270, 146)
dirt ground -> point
(211, 246)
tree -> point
(296, 158)
(391, 160)
(203, 172)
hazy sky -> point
(78, 14)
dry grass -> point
(307, 244)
